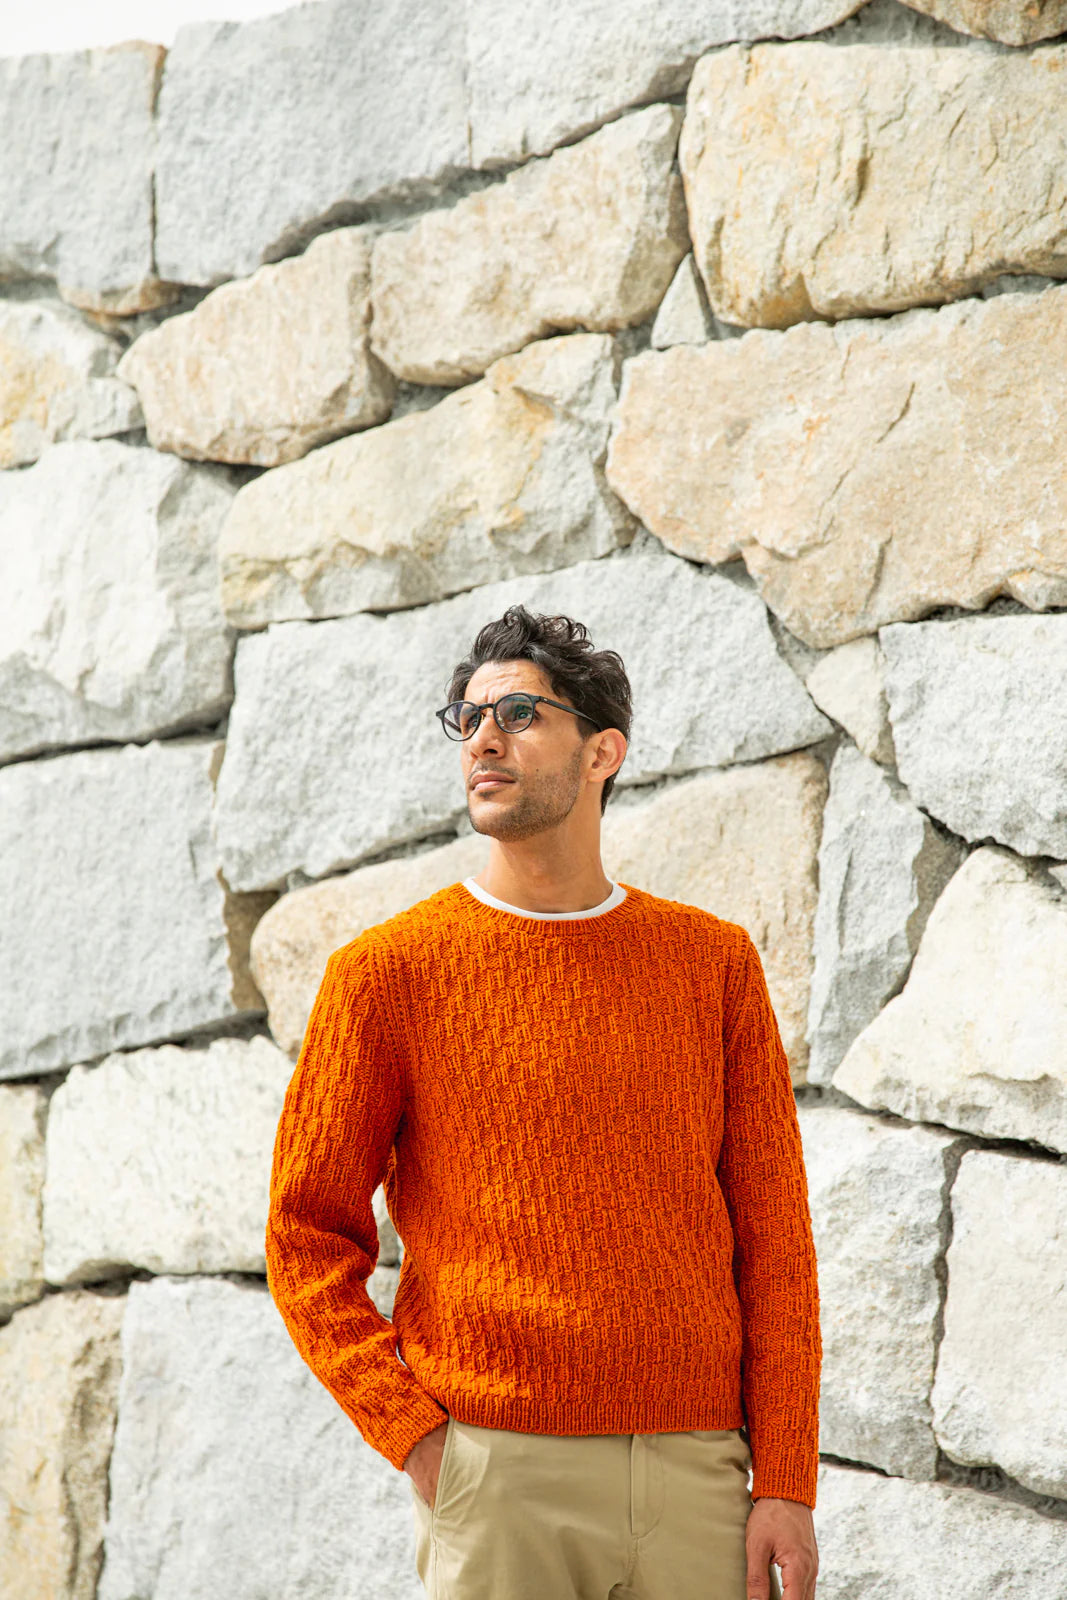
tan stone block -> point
(22, 1115)
(268, 366)
(742, 843)
(587, 238)
(59, 1376)
(835, 180)
(56, 381)
(500, 479)
(1009, 21)
(292, 943)
(867, 472)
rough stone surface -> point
(414, 96)
(684, 316)
(977, 1039)
(800, 176)
(997, 1397)
(1009, 21)
(116, 1199)
(908, 472)
(877, 1203)
(76, 184)
(22, 1116)
(215, 1401)
(293, 941)
(533, 87)
(111, 625)
(502, 478)
(883, 1538)
(56, 381)
(742, 844)
(848, 683)
(303, 789)
(59, 1377)
(882, 865)
(244, 174)
(979, 713)
(588, 238)
(159, 950)
(266, 368)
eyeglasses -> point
(512, 713)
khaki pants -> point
(617, 1516)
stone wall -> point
(733, 329)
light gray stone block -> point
(272, 129)
(998, 1395)
(59, 1379)
(115, 929)
(111, 625)
(877, 1195)
(57, 381)
(311, 781)
(588, 238)
(22, 1119)
(502, 478)
(801, 185)
(532, 86)
(76, 179)
(234, 1471)
(977, 1039)
(264, 369)
(684, 316)
(979, 713)
(117, 1198)
(882, 865)
(884, 1538)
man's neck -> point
(543, 886)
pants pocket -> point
(443, 1473)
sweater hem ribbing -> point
(600, 1415)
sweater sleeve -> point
(341, 1112)
(764, 1182)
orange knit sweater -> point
(589, 1144)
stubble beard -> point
(547, 799)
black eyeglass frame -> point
(489, 705)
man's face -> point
(538, 771)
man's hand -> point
(423, 1464)
(782, 1531)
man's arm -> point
(341, 1112)
(762, 1176)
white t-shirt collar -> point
(617, 895)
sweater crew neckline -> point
(615, 899)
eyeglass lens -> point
(513, 713)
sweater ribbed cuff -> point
(786, 1475)
(417, 1416)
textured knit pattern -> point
(589, 1144)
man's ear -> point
(609, 752)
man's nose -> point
(486, 738)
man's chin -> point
(500, 822)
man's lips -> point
(488, 780)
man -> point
(576, 1097)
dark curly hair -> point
(592, 681)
